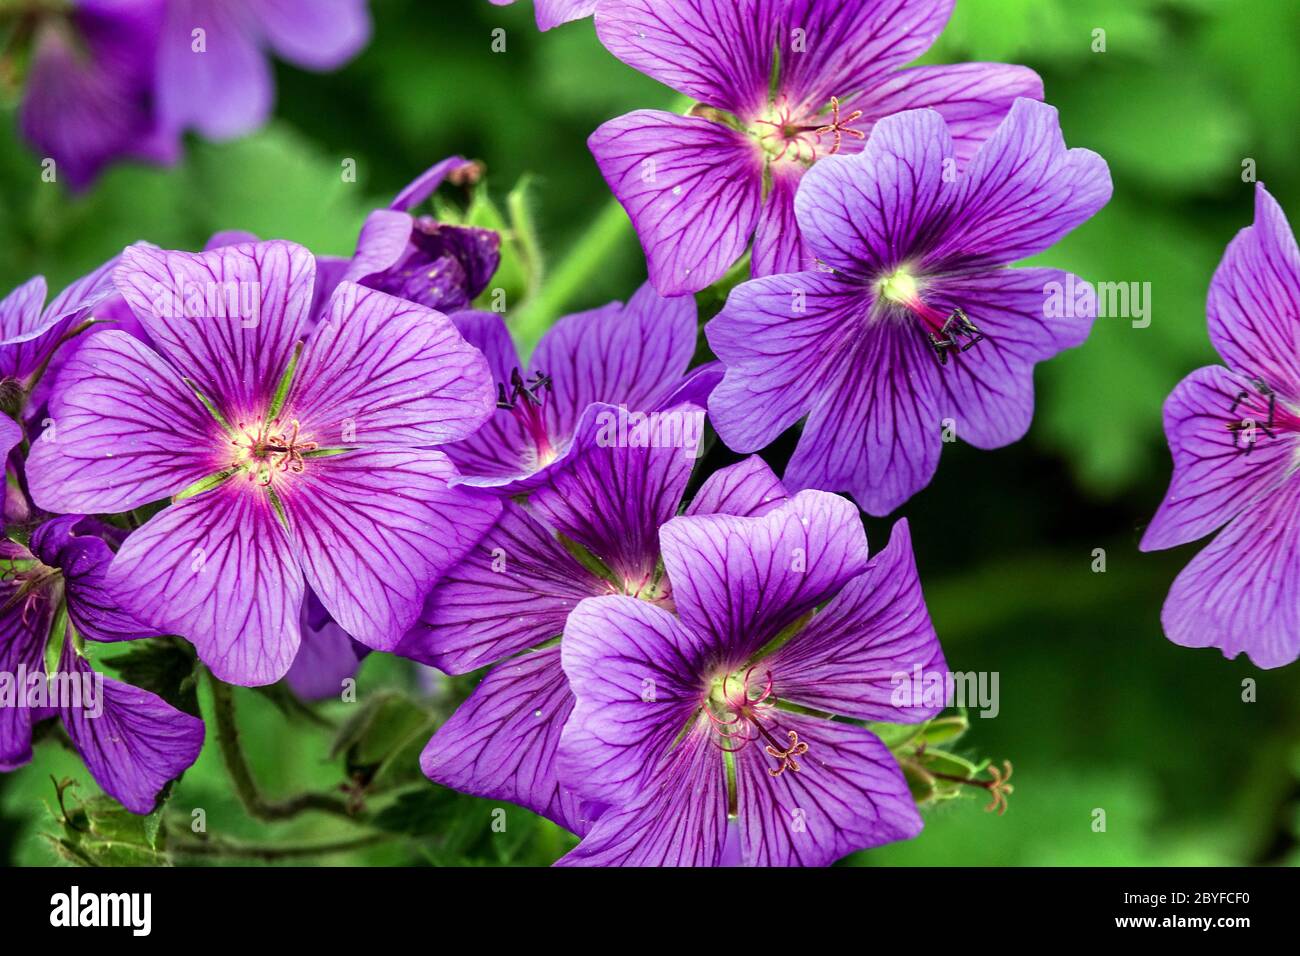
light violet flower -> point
(1234, 434)
(214, 75)
(721, 711)
(780, 84)
(288, 464)
(913, 325)
(592, 529)
(53, 597)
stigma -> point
(741, 711)
(945, 333)
(1256, 411)
(266, 449)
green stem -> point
(241, 774)
(214, 846)
(587, 258)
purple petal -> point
(679, 821)
(514, 590)
(849, 795)
(125, 432)
(501, 742)
(868, 213)
(221, 87)
(89, 90)
(848, 660)
(381, 371)
(326, 657)
(1022, 192)
(501, 447)
(778, 246)
(715, 51)
(1255, 300)
(876, 432)
(94, 607)
(738, 582)
(746, 488)
(631, 355)
(217, 569)
(424, 185)
(988, 391)
(638, 676)
(552, 13)
(613, 498)
(851, 45)
(374, 530)
(692, 188)
(1239, 594)
(781, 339)
(973, 98)
(1215, 478)
(228, 319)
(23, 632)
(314, 34)
(136, 744)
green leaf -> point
(164, 666)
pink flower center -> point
(1256, 412)
(266, 449)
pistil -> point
(526, 399)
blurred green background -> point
(1098, 710)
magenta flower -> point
(52, 598)
(780, 84)
(634, 356)
(288, 465)
(592, 529)
(913, 326)
(1234, 434)
(721, 710)
(213, 71)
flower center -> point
(526, 401)
(741, 711)
(1253, 413)
(264, 449)
(789, 133)
(32, 578)
(953, 332)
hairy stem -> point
(241, 774)
(220, 847)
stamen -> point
(840, 127)
(266, 449)
(526, 398)
(746, 718)
(1262, 414)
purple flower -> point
(781, 84)
(552, 13)
(437, 265)
(52, 597)
(722, 709)
(912, 328)
(90, 91)
(287, 465)
(213, 71)
(634, 356)
(327, 657)
(1233, 435)
(592, 529)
